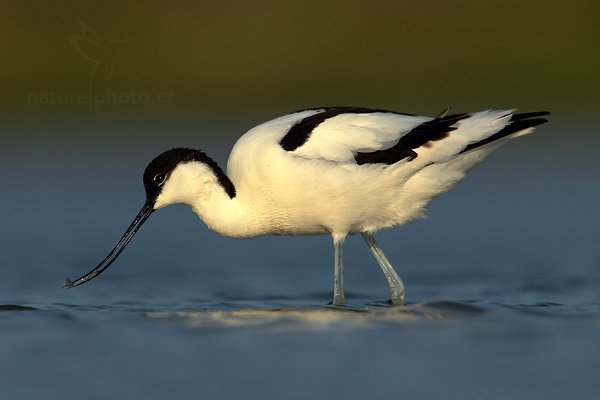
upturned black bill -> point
(112, 256)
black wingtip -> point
(530, 123)
(68, 284)
(518, 122)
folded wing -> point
(364, 136)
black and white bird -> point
(327, 171)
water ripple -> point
(317, 317)
(15, 307)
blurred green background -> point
(219, 59)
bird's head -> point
(178, 176)
(175, 176)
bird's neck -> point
(233, 216)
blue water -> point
(502, 282)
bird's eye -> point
(159, 179)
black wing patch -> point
(436, 129)
(517, 123)
(301, 131)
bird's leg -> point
(396, 285)
(338, 274)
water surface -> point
(502, 282)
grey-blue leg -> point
(338, 274)
(396, 285)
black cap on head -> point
(158, 170)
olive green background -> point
(227, 58)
